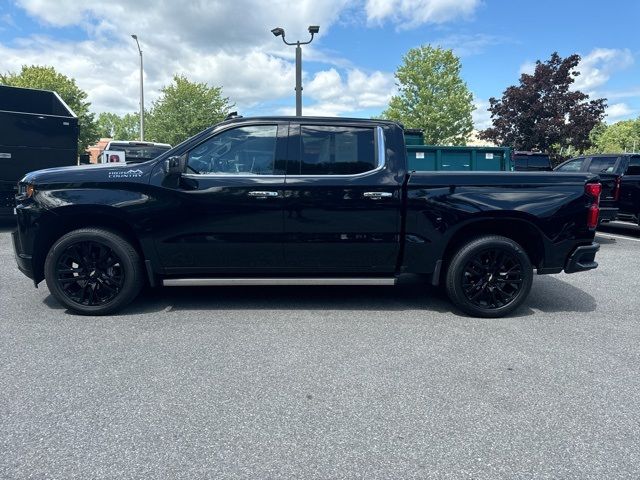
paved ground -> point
(325, 382)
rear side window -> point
(571, 166)
(602, 164)
(337, 150)
(539, 161)
(634, 166)
(520, 163)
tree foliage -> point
(184, 109)
(432, 96)
(543, 111)
(47, 78)
(619, 137)
(126, 127)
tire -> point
(93, 271)
(489, 277)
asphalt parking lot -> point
(319, 382)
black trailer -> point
(37, 130)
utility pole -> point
(135, 37)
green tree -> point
(184, 109)
(543, 111)
(619, 137)
(114, 126)
(432, 96)
(47, 78)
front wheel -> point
(93, 271)
(489, 277)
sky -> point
(348, 69)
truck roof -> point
(138, 143)
(281, 118)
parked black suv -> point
(620, 177)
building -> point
(95, 150)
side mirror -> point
(175, 165)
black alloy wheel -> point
(492, 278)
(94, 271)
(90, 273)
(489, 276)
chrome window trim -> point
(381, 155)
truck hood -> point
(101, 173)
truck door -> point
(226, 213)
(342, 201)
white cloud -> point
(619, 111)
(481, 116)
(465, 45)
(194, 39)
(408, 14)
(631, 93)
(221, 43)
(598, 65)
(595, 68)
(333, 95)
(527, 67)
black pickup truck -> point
(300, 201)
(620, 178)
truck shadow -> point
(357, 298)
(549, 294)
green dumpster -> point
(429, 158)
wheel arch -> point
(68, 219)
(521, 231)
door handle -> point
(263, 194)
(377, 195)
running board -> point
(207, 282)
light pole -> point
(135, 37)
(313, 29)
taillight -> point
(593, 190)
(616, 189)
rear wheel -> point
(489, 277)
(93, 271)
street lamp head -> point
(134, 36)
(278, 31)
(314, 29)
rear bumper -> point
(25, 265)
(607, 214)
(582, 258)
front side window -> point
(602, 164)
(571, 166)
(239, 151)
(337, 150)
